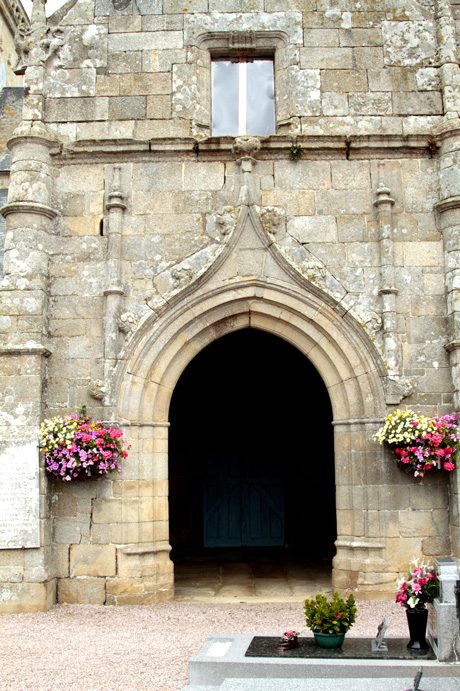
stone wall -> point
(135, 238)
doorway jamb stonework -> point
(335, 345)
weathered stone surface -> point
(409, 43)
(82, 591)
(92, 560)
(134, 239)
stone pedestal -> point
(445, 639)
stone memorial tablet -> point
(19, 494)
(379, 645)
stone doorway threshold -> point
(246, 575)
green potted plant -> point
(330, 619)
(420, 586)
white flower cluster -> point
(58, 432)
(403, 427)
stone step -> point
(222, 661)
(348, 684)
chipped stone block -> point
(415, 103)
(127, 107)
(427, 79)
(326, 58)
(27, 597)
(306, 175)
(76, 109)
(368, 56)
(92, 560)
(321, 37)
(152, 40)
(302, 88)
(409, 43)
(124, 62)
(124, 24)
(360, 37)
(63, 83)
(372, 103)
(85, 46)
(159, 107)
(307, 229)
(127, 7)
(81, 591)
(143, 84)
(339, 80)
(334, 104)
(392, 79)
(180, 6)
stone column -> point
(27, 583)
(114, 289)
(448, 217)
(388, 291)
(447, 54)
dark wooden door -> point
(243, 502)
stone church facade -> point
(140, 229)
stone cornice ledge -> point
(448, 204)
(28, 208)
(276, 145)
(452, 345)
(26, 349)
(358, 544)
(152, 549)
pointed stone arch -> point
(337, 346)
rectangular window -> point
(243, 96)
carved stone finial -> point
(115, 197)
(383, 195)
(38, 16)
(36, 45)
(23, 44)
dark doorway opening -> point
(251, 451)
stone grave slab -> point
(352, 649)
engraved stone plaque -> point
(19, 494)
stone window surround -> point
(232, 44)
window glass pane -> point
(260, 116)
(224, 98)
(251, 82)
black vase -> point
(417, 620)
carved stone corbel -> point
(127, 322)
(273, 221)
(96, 389)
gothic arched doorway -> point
(251, 458)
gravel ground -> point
(95, 648)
